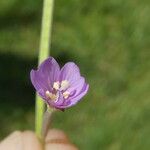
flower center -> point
(57, 86)
(61, 86)
(51, 95)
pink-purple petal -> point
(50, 70)
(74, 100)
(77, 86)
(38, 81)
(77, 98)
(70, 72)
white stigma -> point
(66, 94)
(64, 85)
(56, 85)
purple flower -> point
(60, 88)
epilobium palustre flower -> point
(60, 88)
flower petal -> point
(77, 86)
(50, 70)
(38, 81)
(73, 100)
(70, 72)
(78, 97)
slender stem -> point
(46, 121)
(45, 41)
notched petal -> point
(50, 70)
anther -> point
(64, 85)
(56, 85)
(66, 94)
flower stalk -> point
(46, 121)
(45, 41)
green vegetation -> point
(109, 40)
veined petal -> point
(78, 97)
(77, 86)
(41, 93)
(50, 70)
(38, 84)
(70, 72)
(38, 81)
(75, 99)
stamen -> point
(56, 85)
(66, 94)
(51, 95)
(64, 85)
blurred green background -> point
(110, 41)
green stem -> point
(45, 42)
